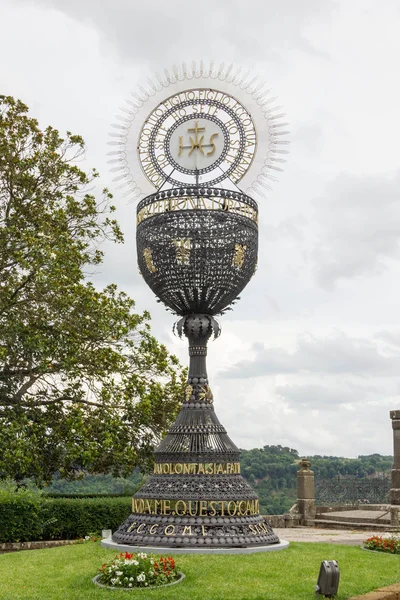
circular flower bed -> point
(380, 544)
(138, 570)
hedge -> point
(29, 517)
(86, 495)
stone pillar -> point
(305, 493)
(395, 489)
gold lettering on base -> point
(232, 511)
(187, 530)
(167, 507)
(177, 504)
(152, 530)
(252, 529)
(191, 512)
(203, 508)
(195, 508)
(196, 468)
(169, 530)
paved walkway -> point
(358, 515)
(330, 536)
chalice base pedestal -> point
(196, 500)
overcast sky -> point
(310, 356)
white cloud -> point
(336, 354)
(152, 30)
(342, 396)
(359, 227)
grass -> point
(65, 573)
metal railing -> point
(352, 490)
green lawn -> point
(65, 573)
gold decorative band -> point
(197, 203)
(197, 468)
(196, 508)
(162, 529)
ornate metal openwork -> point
(348, 490)
(197, 249)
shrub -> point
(20, 512)
(86, 495)
(77, 517)
(26, 515)
(380, 544)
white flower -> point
(114, 581)
(135, 562)
(142, 555)
(141, 577)
(130, 578)
(119, 573)
(87, 537)
(152, 561)
(129, 585)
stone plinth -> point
(395, 489)
(305, 493)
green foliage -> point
(20, 511)
(96, 485)
(77, 517)
(83, 384)
(26, 516)
(272, 472)
(327, 467)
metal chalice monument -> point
(184, 144)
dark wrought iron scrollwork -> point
(197, 249)
(352, 491)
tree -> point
(83, 384)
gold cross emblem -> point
(196, 143)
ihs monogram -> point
(197, 143)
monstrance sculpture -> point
(194, 135)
